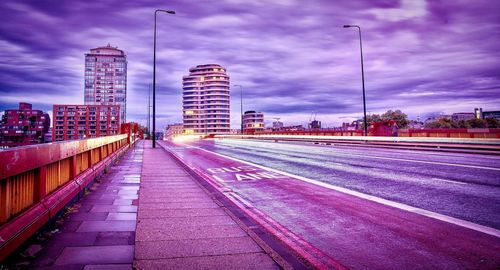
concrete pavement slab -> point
(96, 255)
(195, 248)
(193, 212)
(107, 226)
(252, 261)
(188, 232)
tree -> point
(492, 122)
(370, 118)
(442, 123)
(398, 116)
(477, 123)
(463, 124)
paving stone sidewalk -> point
(100, 233)
(179, 225)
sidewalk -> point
(100, 232)
(180, 227)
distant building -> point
(277, 125)
(159, 135)
(478, 112)
(48, 136)
(253, 121)
(106, 78)
(415, 124)
(462, 116)
(173, 130)
(314, 124)
(206, 100)
(23, 126)
(355, 125)
(72, 122)
(436, 117)
(294, 128)
(491, 114)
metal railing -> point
(37, 181)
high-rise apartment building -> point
(23, 126)
(206, 100)
(106, 78)
(71, 122)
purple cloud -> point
(292, 57)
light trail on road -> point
(297, 194)
(463, 186)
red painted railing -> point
(488, 133)
(313, 132)
(438, 132)
(37, 181)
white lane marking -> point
(415, 210)
(417, 161)
(449, 181)
(430, 162)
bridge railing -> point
(37, 181)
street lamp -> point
(241, 103)
(154, 75)
(362, 76)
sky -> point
(292, 57)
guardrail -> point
(452, 133)
(312, 132)
(491, 145)
(434, 133)
(37, 181)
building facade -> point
(206, 100)
(253, 121)
(72, 122)
(491, 114)
(277, 125)
(106, 78)
(173, 130)
(23, 126)
(462, 116)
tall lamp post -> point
(362, 76)
(149, 110)
(241, 104)
(154, 75)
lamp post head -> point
(166, 11)
(347, 26)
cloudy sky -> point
(292, 56)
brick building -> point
(23, 126)
(173, 130)
(71, 122)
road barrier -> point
(479, 145)
(452, 133)
(37, 181)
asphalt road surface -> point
(360, 208)
(464, 186)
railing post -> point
(5, 203)
(72, 167)
(91, 158)
(40, 184)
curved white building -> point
(253, 121)
(206, 99)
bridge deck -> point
(148, 213)
(180, 226)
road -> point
(351, 207)
(464, 186)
